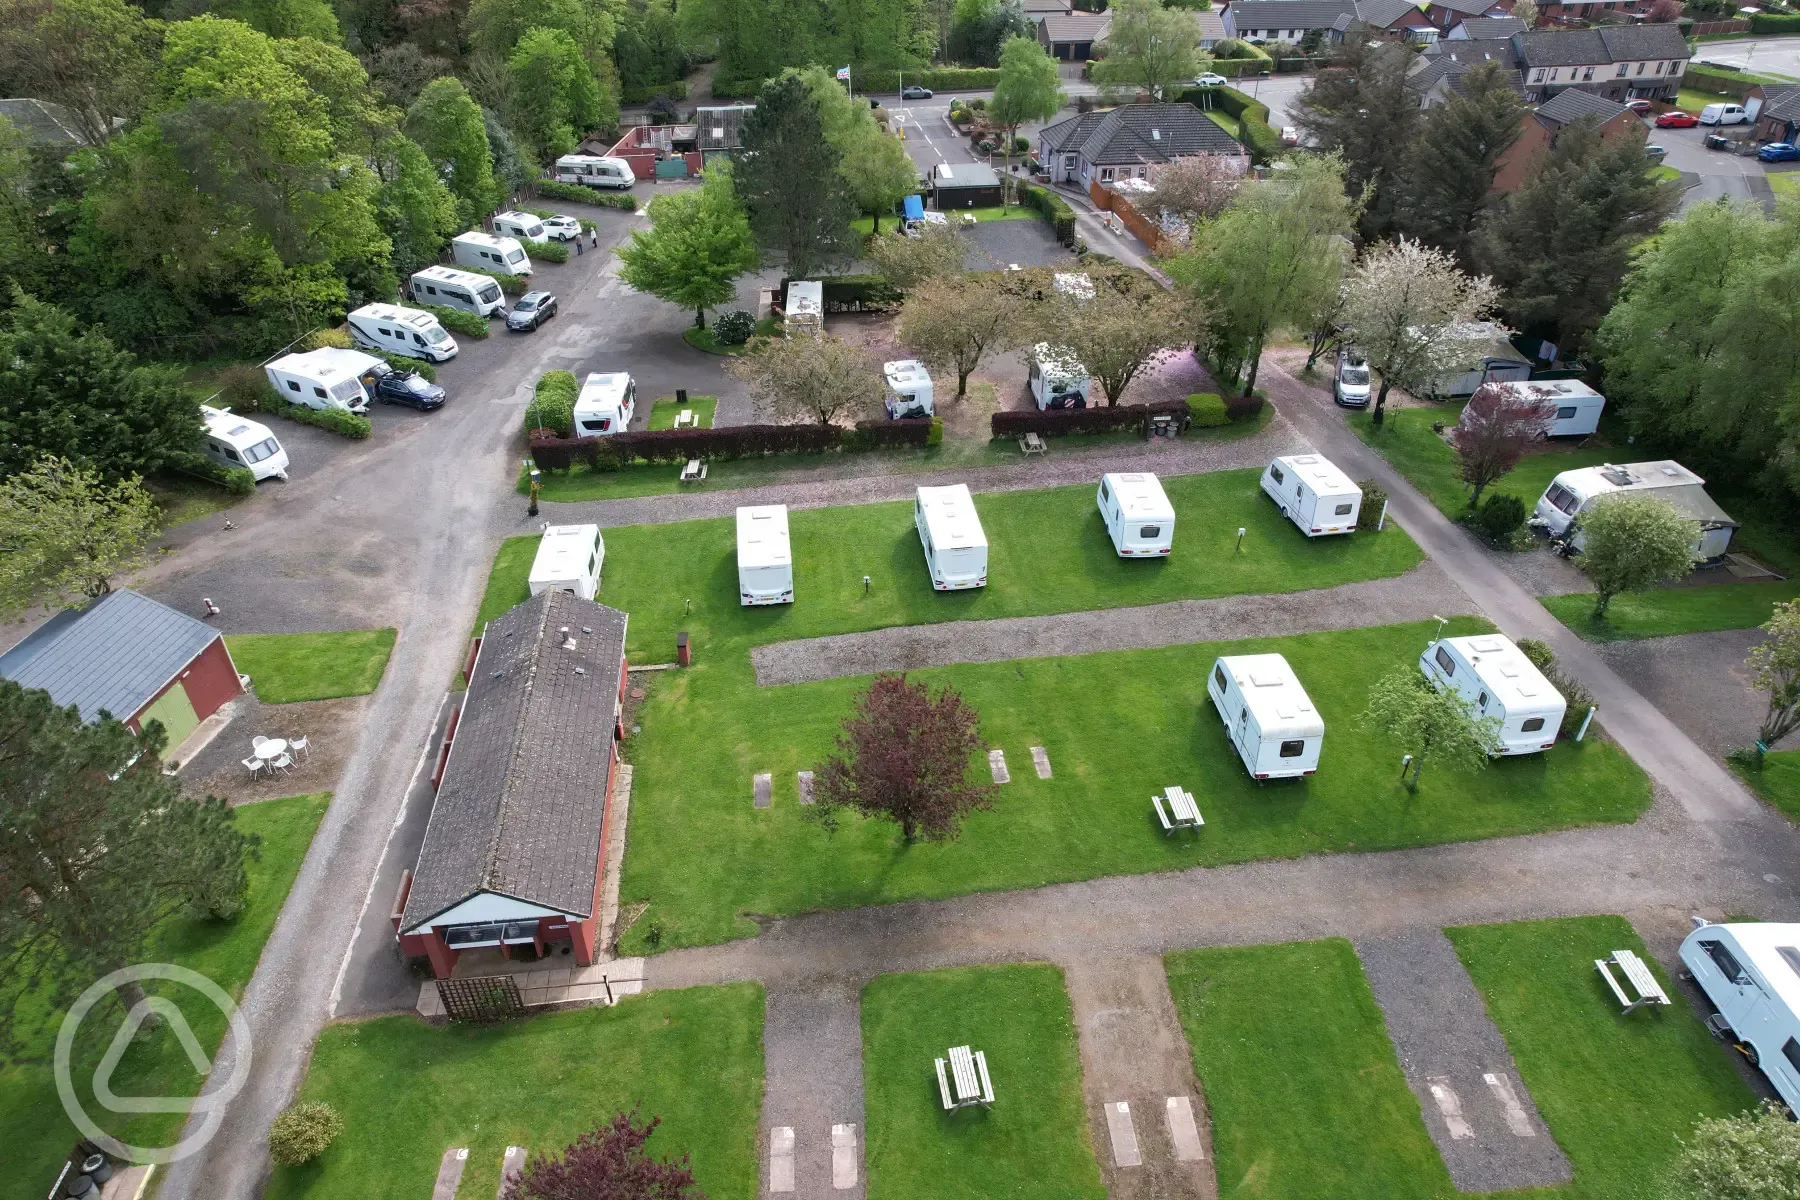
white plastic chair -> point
(257, 743)
(284, 762)
(256, 765)
(298, 745)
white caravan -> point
(398, 330)
(569, 559)
(606, 404)
(478, 294)
(1139, 518)
(1498, 681)
(1578, 406)
(501, 255)
(1267, 715)
(594, 170)
(805, 308)
(956, 549)
(521, 225)
(764, 560)
(328, 377)
(1317, 497)
(1057, 378)
(1574, 492)
(1750, 971)
(908, 389)
(1499, 362)
(234, 441)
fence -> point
(485, 999)
(1708, 28)
(1146, 230)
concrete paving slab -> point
(1041, 760)
(804, 781)
(1450, 1106)
(843, 1157)
(781, 1159)
(1517, 1119)
(763, 790)
(1122, 1135)
(997, 766)
(1178, 1111)
(450, 1173)
(512, 1166)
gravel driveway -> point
(1701, 682)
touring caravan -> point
(569, 559)
(805, 309)
(765, 562)
(234, 441)
(501, 255)
(1267, 715)
(397, 330)
(478, 294)
(1574, 492)
(1313, 494)
(1139, 518)
(1498, 681)
(606, 404)
(521, 225)
(908, 389)
(595, 171)
(1057, 378)
(324, 378)
(956, 550)
(1578, 406)
(1750, 971)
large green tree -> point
(697, 246)
(449, 128)
(1631, 542)
(1360, 108)
(555, 97)
(980, 28)
(1150, 46)
(97, 58)
(66, 534)
(1029, 89)
(650, 47)
(873, 163)
(282, 18)
(415, 206)
(789, 180)
(497, 26)
(1449, 182)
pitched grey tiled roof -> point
(1614, 43)
(1574, 104)
(1288, 14)
(1633, 42)
(1479, 28)
(1076, 26)
(1383, 13)
(1136, 133)
(43, 122)
(1473, 51)
(1473, 8)
(114, 656)
(1782, 103)
(523, 799)
(1034, 7)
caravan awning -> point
(913, 207)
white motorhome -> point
(606, 404)
(502, 255)
(328, 377)
(521, 225)
(764, 560)
(1578, 406)
(1267, 715)
(805, 308)
(569, 559)
(1750, 971)
(478, 294)
(956, 549)
(398, 330)
(1139, 518)
(594, 170)
(908, 388)
(1317, 497)
(1496, 678)
(234, 441)
(1057, 378)
(1574, 492)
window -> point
(1565, 412)
(1562, 499)
(292, 386)
(384, 332)
(1532, 724)
(1445, 663)
(1219, 676)
(1293, 749)
(1481, 701)
(1624, 69)
(320, 393)
(1587, 74)
(1150, 532)
(1790, 1050)
(419, 340)
(1106, 174)
(1276, 475)
(231, 454)
(1641, 67)
(1659, 68)
(431, 289)
(517, 256)
(1726, 961)
(1537, 76)
(1343, 510)
(261, 450)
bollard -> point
(1240, 541)
(683, 654)
(1382, 523)
(1586, 721)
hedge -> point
(1242, 408)
(462, 324)
(234, 481)
(679, 445)
(1254, 130)
(553, 404)
(1207, 410)
(1775, 23)
(1052, 208)
(1057, 421)
(335, 420)
(577, 193)
(551, 252)
(403, 364)
(882, 435)
(624, 201)
(644, 94)
(512, 285)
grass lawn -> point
(1785, 183)
(1661, 612)
(38, 1133)
(1032, 1142)
(1615, 1090)
(1307, 1098)
(1663, 173)
(1778, 782)
(409, 1091)
(1012, 212)
(289, 667)
(183, 498)
(663, 412)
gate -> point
(487, 999)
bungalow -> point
(515, 847)
(1102, 147)
(1479, 29)
(1620, 62)
(1071, 36)
(1284, 20)
(1777, 112)
(1437, 74)
(1539, 129)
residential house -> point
(1777, 112)
(1539, 129)
(1103, 147)
(1284, 20)
(1559, 11)
(1212, 28)
(1290, 21)
(1620, 62)
(1071, 36)
(1037, 8)
(1481, 29)
(1437, 74)
(1445, 15)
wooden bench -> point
(1182, 812)
(694, 472)
(1637, 974)
(969, 1074)
(1031, 443)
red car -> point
(1677, 120)
(1640, 107)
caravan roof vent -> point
(1670, 471)
(1621, 476)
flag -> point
(844, 74)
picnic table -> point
(1636, 974)
(694, 472)
(1031, 443)
(969, 1076)
(1182, 811)
(685, 418)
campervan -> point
(397, 330)
(1574, 492)
(501, 255)
(569, 559)
(805, 309)
(594, 170)
(1057, 378)
(908, 388)
(956, 549)
(478, 294)
(1267, 715)
(607, 401)
(1139, 518)
(1578, 406)
(1313, 494)
(1750, 971)
(234, 441)
(324, 378)
(521, 225)
(765, 563)
(1498, 681)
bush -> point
(1244, 408)
(319, 339)
(1579, 699)
(1254, 130)
(882, 435)
(623, 201)
(855, 293)
(679, 445)
(1021, 145)
(243, 388)
(550, 252)
(978, 103)
(1058, 421)
(512, 285)
(303, 1132)
(246, 389)
(1771, 23)
(234, 481)
(575, 193)
(553, 404)
(1500, 517)
(645, 93)
(936, 436)
(984, 147)
(734, 328)
(1207, 410)
(462, 324)
(400, 362)
(1374, 503)
(334, 420)
(1052, 208)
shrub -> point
(512, 285)
(623, 201)
(334, 420)
(1058, 421)
(936, 436)
(575, 193)
(1500, 517)
(679, 445)
(462, 324)
(880, 435)
(319, 339)
(978, 103)
(234, 481)
(551, 252)
(1579, 699)
(734, 328)
(1052, 208)
(1772, 23)
(400, 362)
(243, 388)
(553, 404)
(1374, 503)
(302, 1133)
(1244, 408)
(1021, 145)
(984, 147)
(1207, 410)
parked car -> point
(1640, 107)
(562, 229)
(531, 310)
(913, 91)
(1656, 153)
(1779, 152)
(411, 389)
(1676, 119)
(1209, 80)
(1724, 114)
(1350, 387)
(1290, 136)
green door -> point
(176, 712)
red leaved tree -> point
(608, 1164)
(1496, 427)
(903, 754)
(1663, 12)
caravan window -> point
(1150, 531)
(226, 450)
(516, 256)
(1275, 473)
(260, 451)
(1445, 662)
(1343, 510)
(319, 392)
(431, 289)
(384, 332)
(1565, 412)
(1532, 724)
(1565, 501)
(1790, 1050)
(1219, 677)
(1293, 749)
(490, 293)
(1481, 702)
(1726, 961)
(292, 386)
(349, 391)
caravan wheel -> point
(1749, 1053)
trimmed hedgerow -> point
(462, 324)
(1052, 208)
(551, 252)
(679, 445)
(1207, 410)
(883, 435)
(553, 405)
(1058, 421)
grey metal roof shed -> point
(113, 656)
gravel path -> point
(812, 1056)
(1700, 681)
(1419, 594)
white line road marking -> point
(781, 1158)
(1516, 1118)
(1451, 1107)
(843, 1156)
(1182, 1131)
(1124, 1137)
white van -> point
(1750, 971)
(805, 308)
(1350, 383)
(594, 170)
(1317, 497)
(1494, 676)
(569, 559)
(520, 225)
(908, 388)
(1057, 378)
(606, 404)
(399, 330)
(765, 562)
(328, 377)
(1139, 518)
(478, 294)
(1574, 492)
(1267, 715)
(1578, 406)
(956, 549)
(502, 255)
(1724, 114)
(234, 441)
